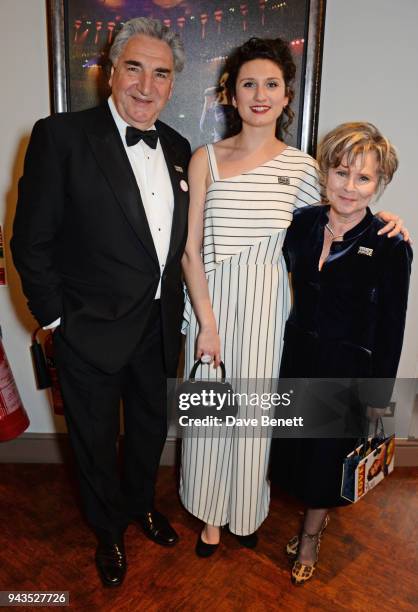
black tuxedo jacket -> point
(81, 240)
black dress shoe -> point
(204, 550)
(157, 528)
(249, 541)
(111, 563)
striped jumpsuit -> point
(223, 475)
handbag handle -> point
(379, 421)
(198, 363)
(364, 442)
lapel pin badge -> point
(183, 185)
(178, 168)
(283, 180)
(365, 251)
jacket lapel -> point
(111, 156)
(181, 197)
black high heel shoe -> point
(205, 550)
(249, 541)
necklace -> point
(334, 237)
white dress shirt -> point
(151, 173)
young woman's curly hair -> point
(274, 49)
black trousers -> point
(110, 496)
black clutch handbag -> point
(42, 374)
(206, 398)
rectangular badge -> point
(365, 251)
(283, 180)
(178, 168)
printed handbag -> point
(367, 465)
(206, 398)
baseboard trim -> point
(55, 448)
(406, 454)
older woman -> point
(350, 296)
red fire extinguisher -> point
(45, 370)
(13, 417)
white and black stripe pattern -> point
(223, 477)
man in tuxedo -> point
(99, 232)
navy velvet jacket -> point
(348, 319)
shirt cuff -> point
(53, 324)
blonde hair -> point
(351, 140)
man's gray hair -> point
(153, 28)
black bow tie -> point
(133, 136)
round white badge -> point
(183, 185)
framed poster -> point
(81, 32)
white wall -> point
(369, 72)
(24, 98)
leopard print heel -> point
(302, 572)
(293, 545)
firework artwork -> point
(82, 32)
